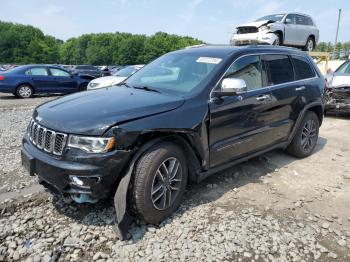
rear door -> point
(240, 124)
(305, 76)
(64, 82)
(285, 93)
(304, 30)
(41, 78)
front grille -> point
(247, 30)
(46, 139)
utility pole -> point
(336, 35)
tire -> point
(305, 139)
(310, 44)
(83, 87)
(278, 41)
(24, 91)
(150, 176)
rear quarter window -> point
(302, 68)
(279, 69)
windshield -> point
(178, 73)
(126, 72)
(275, 18)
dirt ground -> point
(304, 195)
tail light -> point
(2, 78)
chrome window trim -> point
(266, 87)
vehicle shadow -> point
(209, 190)
(12, 97)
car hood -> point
(255, 24)
(116, 79)
(93, 112)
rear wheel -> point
(305, 139)
(159, 183)
(24, 91)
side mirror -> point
(231, 87)
(288, 21)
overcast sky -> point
(208, 20)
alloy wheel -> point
(308, 135)
(25, 91)
(166, 183)
(277, 41)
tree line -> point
(25, 44)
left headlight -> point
(92, 144)
(264, 28)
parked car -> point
(146, 139)
(116, 78)
(290, 29)
(337, 95)
(87, 70)
(24, 81)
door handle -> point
(301, 88)
(262, 97)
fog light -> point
(77, 181)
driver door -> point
(291, 30)
(240, 124)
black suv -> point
(181, 118)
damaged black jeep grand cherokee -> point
(183, 117)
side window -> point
(247, 68)
(309, 21)
(58, 72)
(301, 20)
(279, 69)
(38, 71)
(292, 19)
(302, 68)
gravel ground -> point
(271, 208)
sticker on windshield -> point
(209, 60)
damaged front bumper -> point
(338, 99)
(75, 173)
(266, 38)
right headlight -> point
(92, 144)
(93, 85)
(264, 28)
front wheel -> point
(310, 45)
(159, 182)
(305, 140)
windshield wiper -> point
(147, 88)
(123, 84)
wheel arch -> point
(180, 139)
(25, 83)
(316, 107)
(280, 33)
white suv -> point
(290, 29)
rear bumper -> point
(98, 174)
(253, 38)
(5, 88)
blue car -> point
(24, 81)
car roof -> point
(227, 50)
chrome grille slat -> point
(46, 139)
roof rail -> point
(195, 46)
